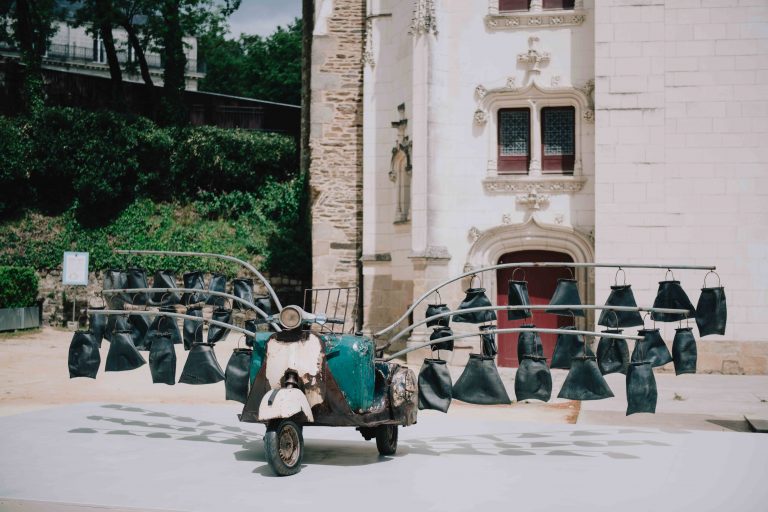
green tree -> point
(32, 26)
(253, 66)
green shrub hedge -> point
(73, 180)
(14, 167)
(101, 161)
(18, 287)
(264, 229)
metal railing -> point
(89, 54)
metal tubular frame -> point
(530, 306)
(122, 312)
(210, 255)
(253, 307)
(530, 265)
(515, 329)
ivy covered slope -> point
(72, 180)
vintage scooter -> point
(312, 376)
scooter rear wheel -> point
(284, 447)
(386, 439)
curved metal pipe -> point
(120, 312)
(530, 265)
(210, 255)
(530, 306)
(515, 329)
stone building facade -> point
(502, 131)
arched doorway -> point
(541, 286)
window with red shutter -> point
(514, 5)
(558, 4)
(514, 140)
(558, 139)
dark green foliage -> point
(214, 160)
(102, 161)
(18, 287)
(94, 178)
(14, 167)
(253, 66)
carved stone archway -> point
(491, 244)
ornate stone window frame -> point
(534, 17)
(491, 244)
(535, 97)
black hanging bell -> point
(651, 348)
(566, 293)
(116, 323)
(216, 332)
(641, 388)
(567, 347)
(488, 340)
(475, 298)
(236, 375)
(518, 296)
(441, 332)
(97, 324)
(193, 330)
(137, 278)
(242, 288)
(584, 381)
(711, 310)
(168, 324)
(164, 279)
(529, 344)
(612, 354)
(84, 357)
(201, 366)
(116, 279)
(684, 352)
(672, 295)
(621, 295)
(533, 380)
(162, 359)
(435, 386)
(264, 303)
(139, 328)
(218, 284)
(122, 355)
(195, 281)
(480, 383)
(436, 309)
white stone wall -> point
(436, 74)
(681, 157)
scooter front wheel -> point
(386, 439)
(284, 447)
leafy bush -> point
(14, 167)
(94, 176)
(107, 166)
(55, 139)
(18, 287)
(155, 147)
(209, 159)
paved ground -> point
(120, 443)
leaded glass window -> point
(557, 138)
(514, 140)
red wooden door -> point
(541, 286)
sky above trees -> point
(262, 17)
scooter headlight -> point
(290, 317)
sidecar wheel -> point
(284, 447)
(386, 439)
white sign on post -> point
(75, 269)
